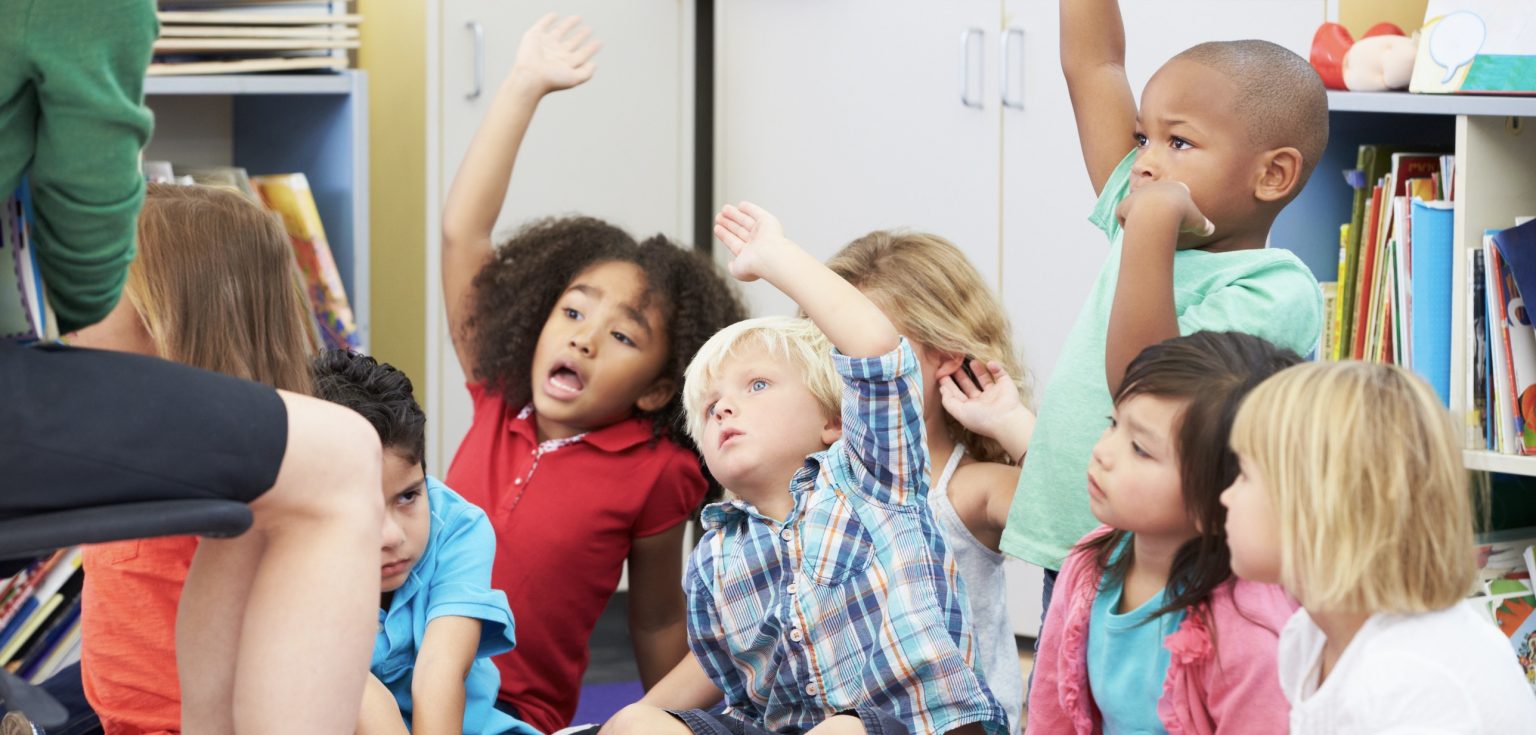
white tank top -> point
(981, 569)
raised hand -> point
(555, 54)
(755, 238)
(988, 405)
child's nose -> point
(581, 340)
(1100, 454)
(392, 535)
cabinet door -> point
(845, 116)
(1050, 253)
(617, 147)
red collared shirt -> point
(565, 513)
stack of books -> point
(239, 36)
(24, 313)
(1501, 344)
(289, 196)
(40, 616)
(1507, 564)
(1393, 300)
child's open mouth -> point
(564, 382)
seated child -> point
(1226, 136)
(1151, 632)
(977, 423)
(824, 598)
(1352, 496)
(439, 619)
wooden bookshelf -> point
(314, 123)
(1494, 139)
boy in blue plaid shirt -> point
(823, 600)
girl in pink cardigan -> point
(1150, 632)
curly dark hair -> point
(516, 290)
(380, 392)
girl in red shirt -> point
(574, 337)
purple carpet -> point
(600, 701)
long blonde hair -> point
(1363, 466)
(214, 283)
(935, 297)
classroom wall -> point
(393, 53)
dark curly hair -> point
(378, 391)
(516, 290)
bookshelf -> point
(280, 123)
(1494, 140)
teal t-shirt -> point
(1268, 293)
(1127, 662)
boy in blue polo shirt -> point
(439, 619)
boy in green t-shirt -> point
(1226, 136)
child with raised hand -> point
(977, 425)
(1150, 632)
(212, 287)
(574, 338)
(823, 599)
(1188, 188)
(1353, 497)
(439, 619)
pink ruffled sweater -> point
(1228, 689)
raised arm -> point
(1093, 60)
(551, 56)
(849, 319)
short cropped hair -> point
(378, 391)
(1279, 93)
(1363, 466)
(797, 341)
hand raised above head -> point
(556, 54)
(755, 238)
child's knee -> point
(839, 725)
(331, 467)
(642, 719)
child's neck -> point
(1339, 628)
(1255, 238)
(940, 444)
(1151, 565)
(769, 493)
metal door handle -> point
(1016, 103)
(479, 33)
(965, 67)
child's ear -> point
(833, 430)
(1280, 175)
(949, 364)
(657, 396)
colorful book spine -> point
(289, 195)
(1433, 254)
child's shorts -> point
(83, 428)
(704, 722)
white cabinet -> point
(844, 116)
(619, 147)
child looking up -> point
(439, 620)
(1150, 631)
(574, 338)
(1353, 497)
(1188, 188)
(824, 599)
(960, 334)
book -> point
(1477, 353)
(1433, 254)
(245, 66)
(1502, 388)
(24, 312)
(289, 195)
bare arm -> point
(551, 56)
(686, 686)
(850, 320)
(658, 626)
(381, 713)
(1093, 60)
(1143, 312)
(437, 684)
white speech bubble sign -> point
(1455, 40)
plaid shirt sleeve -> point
(706, 637)
(883, 424)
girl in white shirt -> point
(1352, 495)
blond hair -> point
(1363, 467)
(795, 340)
(935, 297)
(214, 284)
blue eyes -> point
(758, 385)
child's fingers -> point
(735, 228)
(546, 21)
(582, 56)
(754, 211)
(738, 216)
(566, 25)
(576, 39)
(999, 373)
(731, 241)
